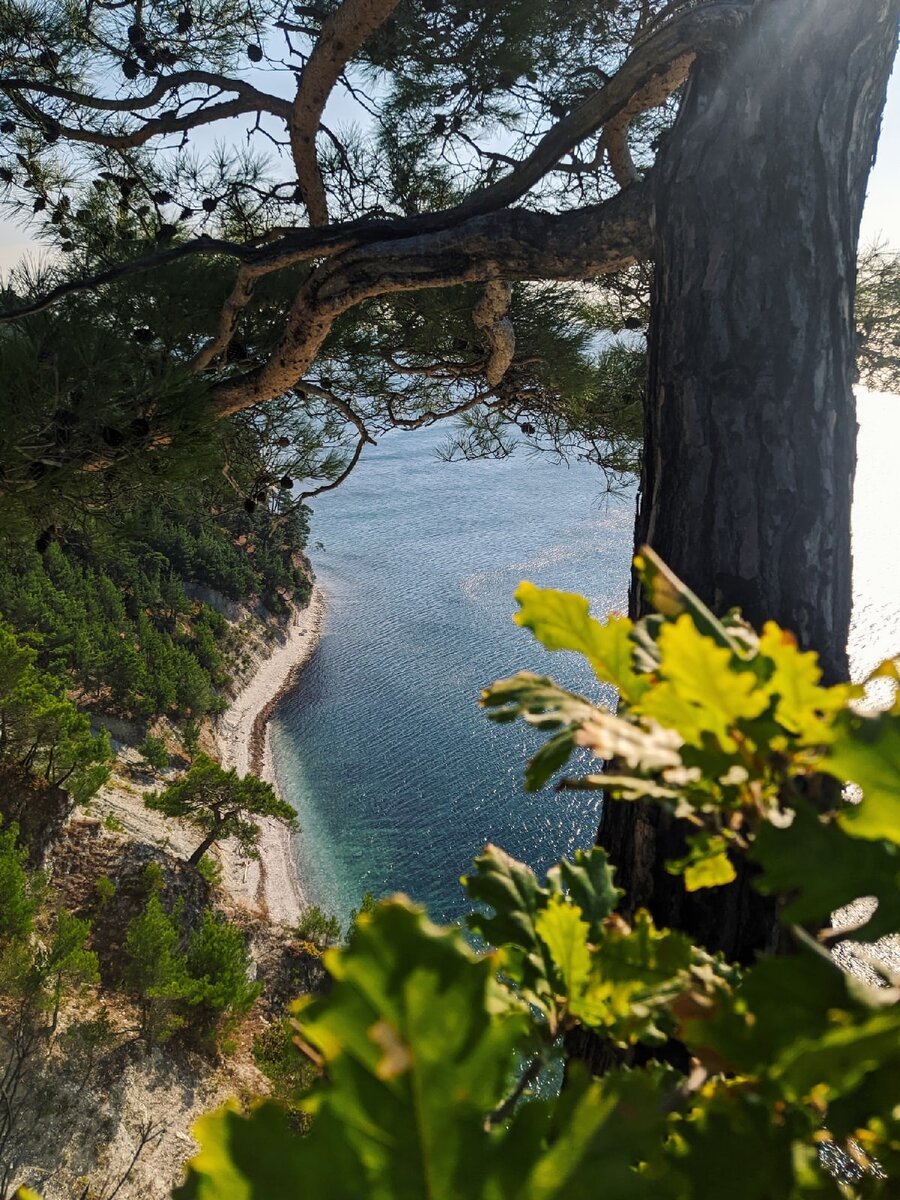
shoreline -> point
(242, 734)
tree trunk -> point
(208, 841)
(750, 424)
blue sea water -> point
(397, 775)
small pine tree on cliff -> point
(221, 805)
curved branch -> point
(228, 319)
(165, 84)
(159, 126)
(702, 27)
(696, 29)
(315, 389)
(439, 370)
(344, 31)
(431, 417)
(327, 487)
(655, 93)
(294, 246)
(509, 245)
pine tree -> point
(155, 970)
(220, 991)
(221, 805)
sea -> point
(397, 775)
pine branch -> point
(508, 245)
(163, 86)
(343, 33)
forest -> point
(106, 607)
(268, 236)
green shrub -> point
(288, 1072)
(219, 991)
(198, 980)
(211, 870)
(366, 904)
(190, 737)
(42, 730)
(44, 959)
(18, 902)
(152, 878)
(318, 927)
(154, 752)
(112, 823)
(155, 970)
(104, 889)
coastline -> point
(242, 734)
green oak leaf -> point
(555, 753)
(511, 889)
(418, 1040)
(731, 1145)
(870, 1114)
(641, 745)
(750, 1028)
(518, 901)
(562, 621)
(841, 1057)
(536, 699)
(243, 1158)
(636, 972)
(703, 689)
(866, 751)
(588, 880)
(604, 1137)
(706, 865)
(565, 933)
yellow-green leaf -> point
(702, 691)
(565, 933)
(243, 1158)
(670, 597)
(562, 621)
(803, 707)
(867, 752)
(706, 865)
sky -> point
(882, 212)
(881, 218)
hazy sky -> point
(882, 214)
(880, 220)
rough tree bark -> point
(751, 424)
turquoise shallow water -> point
(398, 777)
